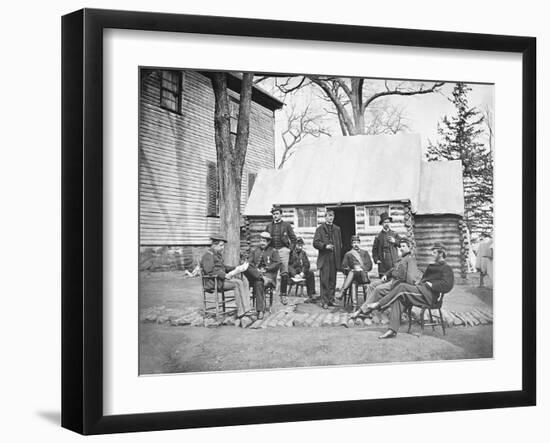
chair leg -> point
(223, 300)
(205, 311)
(217, 304)
(431, 319)
(442, 321)
(422, 320)
(409, 314)
(354, 291)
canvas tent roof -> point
(360, 169)
(441, 190)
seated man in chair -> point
(438, 279)
(212, 265)
(298, 268)
(264, 263)
(405, 271)
(356, 263)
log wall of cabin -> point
(174, 150)
(446, 229)
(399, 211)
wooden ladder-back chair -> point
(347, 296)
(268, 291)
(296, 285)
(425, 307)
(215, 299)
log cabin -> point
(178, 196)
(361, 177)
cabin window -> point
(307, 217)
(251, 181)
(170, 90)
(212, 191)
(372, 214)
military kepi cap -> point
(218, 237)
(299, 241)
(405, 240)
(355, 238)
(265, 235)
(276, 208)
(439, 246)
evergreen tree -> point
(460, 140)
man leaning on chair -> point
(438, 279)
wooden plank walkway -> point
(288, 317)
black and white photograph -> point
(294, 220)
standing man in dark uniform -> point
(283, 240)
(328, 241)
(298, 268)
(264, 263)
(438, 279)
(385, 246)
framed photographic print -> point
(263, 221)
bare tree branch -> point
(397, 91)
(300, 124)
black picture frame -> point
(82, 220)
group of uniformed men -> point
(280, 251)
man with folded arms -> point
(298, 268)
(357, 263)
(438, 279)
(212, 265)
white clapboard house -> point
(178, 192)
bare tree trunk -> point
(230, 159)
(356, 99)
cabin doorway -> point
(344, 217)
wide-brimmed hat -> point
(300, 241)
(439, 246)
(218, 237)
(355, 238)
(266, 235)
(276, 208)
(383, 217)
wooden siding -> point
(446, 229)
(174, 150)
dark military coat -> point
(267, 259)
(320, 241)
(385, 251)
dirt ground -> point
(170, 349)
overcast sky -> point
(422, 112)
